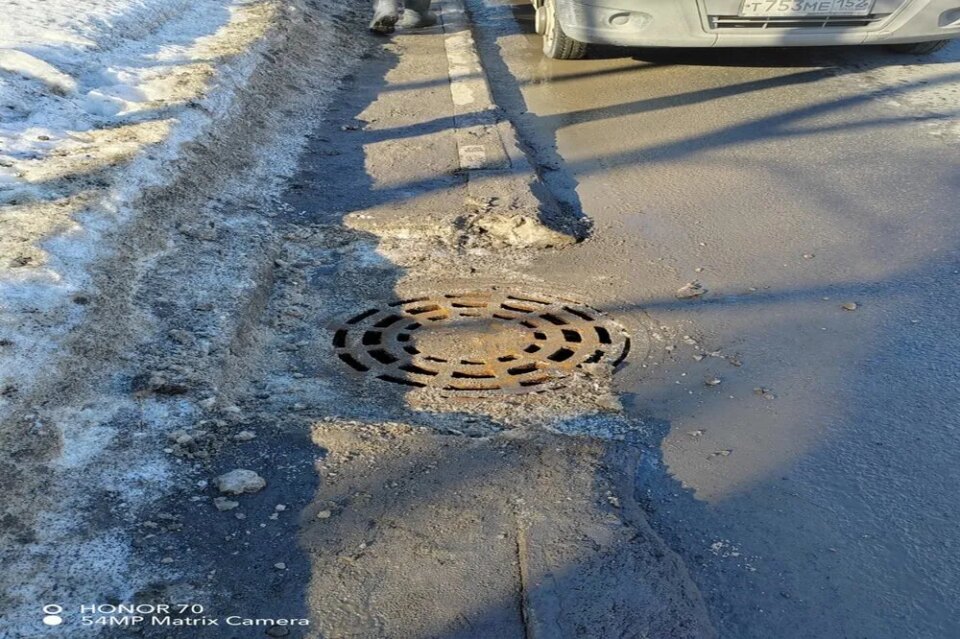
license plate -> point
(802, 8)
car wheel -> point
(557, 44)
(918, 48)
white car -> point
(911, 26)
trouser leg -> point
(385, 16)
(417, 14)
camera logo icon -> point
(51, 614)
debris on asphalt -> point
(766, 393)
(520, 231)
(849, 306)
(240, 481)
(691, 290)
(223, 504)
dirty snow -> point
(84, 458)
(96, 99)
(89, 559)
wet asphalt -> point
(812, 491)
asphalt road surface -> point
(805, 465)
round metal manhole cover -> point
(480, 343)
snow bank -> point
(96, 98)
(209, 101)
(68, 68)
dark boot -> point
(385, 16)
(417, 14)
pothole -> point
(477, 343)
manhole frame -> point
(379, 342)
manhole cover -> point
(478, 343)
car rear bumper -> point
(714, 23)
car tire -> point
(919, 48)
(557, 44)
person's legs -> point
(385, 16)
(417, 14)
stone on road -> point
(240, 481)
